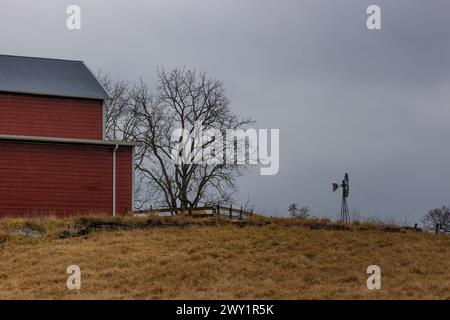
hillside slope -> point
(273, 261)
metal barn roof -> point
(45, 76)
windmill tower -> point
(345, 185)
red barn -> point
(54, 159)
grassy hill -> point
(184, 258)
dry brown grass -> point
(281, 260)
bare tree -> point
(119, 119)
(438, 216)
(295, 211)
(183, 99)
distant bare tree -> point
(295, 211)
(438, 216)
(183, 99)
(304, 212)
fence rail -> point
(211, 210)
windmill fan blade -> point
(335, 187)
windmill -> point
(345, 185)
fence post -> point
(218, 208)
(415, 226)
(231, 211)
(251, 213)
(437, 228)
(240, 214)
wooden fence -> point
(211, 210)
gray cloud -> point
(374, 103)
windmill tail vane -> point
(345, 185)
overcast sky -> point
(373, 103)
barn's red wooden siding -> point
(47, 116)
(124, 179)
(62, 179)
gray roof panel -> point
(53, 77)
